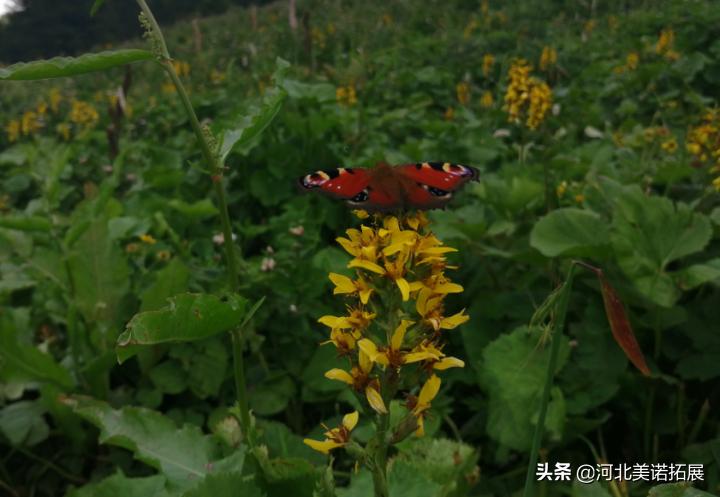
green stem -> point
(213, 163)
(558, 326)
(379, 457)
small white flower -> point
(297, 230)
(267, 264)
(501, 133)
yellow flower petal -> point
(325, 446)
(448, 362)
(365, 363)
(448, 288)
(375, 400)
(370, 266)
(369, 347)
(335, 322)
(419, 356)
(399, 334)
(404, 287)
(343, 284)
(420, 427)
(428, 391)
(350, 420)
(339, 375)
(454, 321)
(361, 214)
(348, 245)
(365, 295)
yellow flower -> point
(42, 108)
(526, 94)
(665, 41)
(670, 146)
(421, 404)
(12, 129)
(55, 98)
(449, 114)
(430, 308)
(462, 90)
(579, 198)
(548, 58)
(487, 64)
(716, 184)
(343, 341)
(148, 239)
(393, 355)
(632, 60)
(30, 123)
(83, 113)
(487, 100)
(163, 255)
(335, 437)
(181, 68)
(345, 285)
(359, 379)
(346, 95)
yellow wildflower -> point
(487, 64)
(148, 239)
(55, 98)
(421, 404)
(181, 68)
(716, 184)
(670, 146)
(561, 189)
(83, 113)
(665, 41)
(63, 129)
(526, 95)
(462, 91)
(30, 123)
(335, 437)
(345, 285)
(548, 58)
(12, 130)
(486, 100)
(449, 114)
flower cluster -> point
(345, 95)
(631, 63)
(487, 64)
(526, 95)
(703, 143)
(548, 58)
(487, 100)
(664, 45)
(462, 91)
(392, 333)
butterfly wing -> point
(358, 187)
(431, 184)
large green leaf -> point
(569, 231)
(99, 273)
(21, 362)
(26, 223)
(170, 280)
(225, 485)
(62, 67)
(23, 423)
(513, 373)
(188, 317)
(184, 455)
(244, 134)
(650, 232)
(119, 484)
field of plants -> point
(179, 318)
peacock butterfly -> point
(425, 185)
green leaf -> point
(95, 7)
(569, 231)
(513, 372)
(23, 423)
(648, 233)
(677, 490)
(225, 485)
(242, 137)
(188, 317)
(170, 280)
(196, 211)
(698, 274)
(184, 455)
(100, 273)
(25, 223)
(62, 67)
(450, 464)
(25, 362)
(119, 484)
(272, 395)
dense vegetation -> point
(597, 133)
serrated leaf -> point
(569, 231)
(698, 274)
(251, 126)
(188, 317)
(62, 67)
(184, 455)
(119, 484)
(513, 371)
(100, 273)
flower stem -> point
(215, 167)
(379, 456)
(558, 326)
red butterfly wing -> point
(432, 184)
(360, 188)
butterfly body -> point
(424, 185)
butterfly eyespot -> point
(360, 197)
(437, 192)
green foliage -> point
(62, 67)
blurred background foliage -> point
(106, 211)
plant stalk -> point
(558, 326)
(216, 169)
